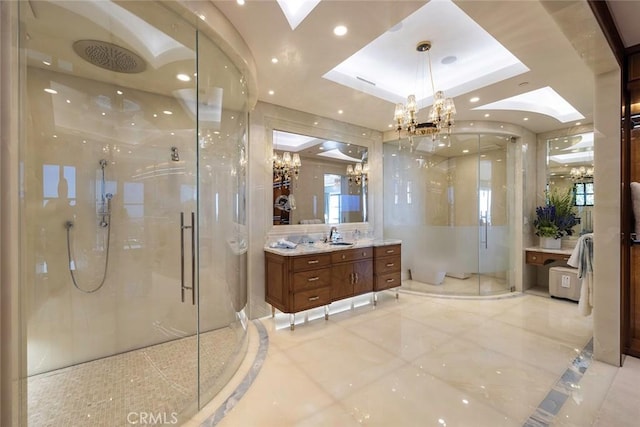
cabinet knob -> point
(390, 251)
(316, 298)
(535, 257)
(343, 256)
(364, 254)
(313, 261)
(313, 279)
(390, 264)
(391, 280)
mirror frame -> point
(542, 154)
(325, 165)
(328, 129)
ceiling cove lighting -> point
(440, 117)
(542, 101)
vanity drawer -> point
(311, 279)
(346, 255)
(387, 264)
(542, 258)
(312, 298)
(307, 262)
(386, 281)
(388, 250)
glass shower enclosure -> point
(133, 149)
(447, 199)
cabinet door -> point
(363, 277)
(341, 281)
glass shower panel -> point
(493, 215)
(222, 158)
(110, 161)
(447, 201)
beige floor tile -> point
(400, 335)
(281, 395)
(582, 407)
(494, 379)
(547, 354)
(622, 405)
(411, 397)
(342, 361)
(555, 319)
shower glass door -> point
(446, 199)
(134, 147)
(493, 221)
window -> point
(584, 193)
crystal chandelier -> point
(285, 167)
(440, 116)
(358, 174)
(581, 174)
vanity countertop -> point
(563, 250)
(319, 247)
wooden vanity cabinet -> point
(351, 273)
(387, 267)
(300, 282)
(297, 283)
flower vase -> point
(550, 243)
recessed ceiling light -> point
(119, 92)
(487, 115)
(47, 63)
(68, 101)
(315, 123)
(240, 2)
(51, 91)
(271, 92)
(465, 151)
(578, 123)
(340, 111)
(390, 126)
(525, 119)
(155, 115)
(167, 112)
(183, 77)
(340, 30)
(441, 144)
(274, 60)
(474, 99)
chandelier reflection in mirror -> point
(358, 174)
(286, 167)
(581, 174)
(440, 116)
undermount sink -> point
(341, 243)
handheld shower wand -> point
(105, 211)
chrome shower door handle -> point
(183, 286)
(193, 258)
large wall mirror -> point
(570, 166)
(318, 181)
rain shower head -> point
(109, 56)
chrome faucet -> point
(334, 235)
